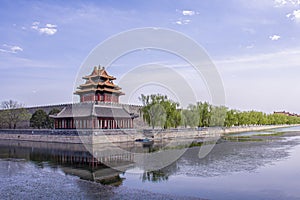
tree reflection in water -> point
(155, 176)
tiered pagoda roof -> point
(99, 81)
(98, 107)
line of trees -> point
(206, 115)
(159, 111)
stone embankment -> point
(238, 129)
(121, 135)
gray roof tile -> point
(89, 109)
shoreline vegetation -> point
(159, 111)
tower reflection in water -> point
(74, 158)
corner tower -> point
(99, 87)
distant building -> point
(287, 113)
(98, 107)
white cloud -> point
(16, 48)
(35, 23)
(182, 21)
(51, 26)
(295, 15)
(279, 3)
(10, 49)
(188, 12)
(275, 37)
(48, 29)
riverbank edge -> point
(122, 135)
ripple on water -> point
(24, 180)
(230, 157)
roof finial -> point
(95, 70)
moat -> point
(252, 165)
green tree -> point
(173, 115)
(13, 113)
(157, 115)
(155, 176)
(2, 119)
(190, 116)
(280, 119)
(293, 120)
(50, 121)
(263, 119)
(232, 118)
(158, 110)
(217, 115)
(153, 112)
(243, 118)
(39, 119)
(204, 110)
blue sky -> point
(254, 44)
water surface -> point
(264, 169)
